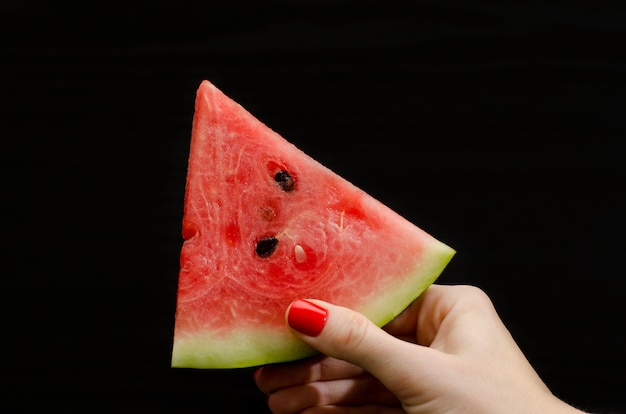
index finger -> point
(271, 378)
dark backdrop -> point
(497, 128)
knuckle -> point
(474, 294)
(476, 301)
(354, 334)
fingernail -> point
(306, 317)
(256, 373)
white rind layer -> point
(253, 347)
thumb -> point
(348, 335)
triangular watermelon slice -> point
(265, 224)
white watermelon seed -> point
(299, 253)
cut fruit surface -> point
(265, 224)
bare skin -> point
(449, 352)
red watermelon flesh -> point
(264, 224)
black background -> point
(497, 128)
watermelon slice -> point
(265, 224)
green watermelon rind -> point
(234, 351)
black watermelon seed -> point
(285, 180)
(265, 247)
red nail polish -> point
(306, 317)
(257, 372)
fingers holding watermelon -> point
(275, 377)
(347, 335)
(448, 352)
(321, 382)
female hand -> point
(448, 352)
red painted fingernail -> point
(256, 373)
(306, 317)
